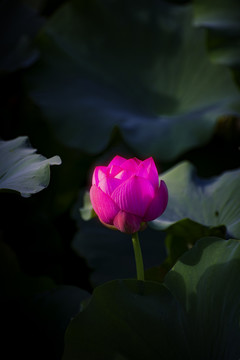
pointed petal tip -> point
(117, 160)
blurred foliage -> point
(90, 79)
(221, 19)
(135, 67)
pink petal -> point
(114, 170)
(137, 161)
(103, 205)
(147, 169)
(99, 173)
(124, 175)
(134, 195)
(126, 222)
(117, 160)
(108, 184)
(130, 165)
(158, 204)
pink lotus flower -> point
(126, 193)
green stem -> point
(138, 256)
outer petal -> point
(147, 169)
(117, 160)
(109, 184)
(103, 205)
(99, 173)
(134, 195)
(158, 204)
(127, 223)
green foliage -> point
(218, 14)
(21, 169)
(180, 238)
(210, 202)
(142, 68)
(193, 315)
(221, 19)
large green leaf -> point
(126, 318)
(194, 315)
(210, 202)
(142, 68)
(21, 169)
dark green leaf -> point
(141, 68)
(129, 319)
(181, 236)
(205, 283)
(224, 49)
(221, 18)
(218, 14)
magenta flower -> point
(126, 193)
